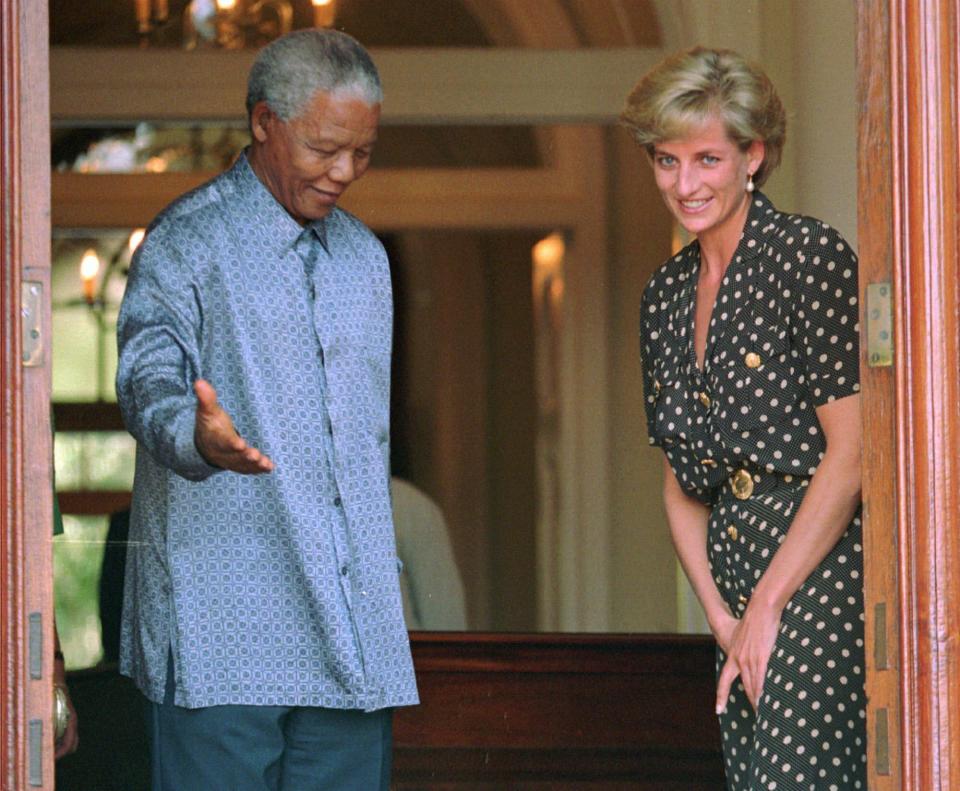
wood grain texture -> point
(11, 657)
(25, 484)
(924, 50)
(559, 711)
(875, 210)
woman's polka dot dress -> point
(742, 436)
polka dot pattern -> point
(783, 339)
(809, 731)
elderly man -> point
(263, 616)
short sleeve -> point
(827, 329)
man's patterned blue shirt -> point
(274, 589)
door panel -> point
(26, 654)
(908, 162)
(875, 190)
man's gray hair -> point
(290, 70)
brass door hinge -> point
(31, 313)
(879, 325)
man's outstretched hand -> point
(217, 439)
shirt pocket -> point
(758, 382)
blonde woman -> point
(750, 363)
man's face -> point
(308, 162)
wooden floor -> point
(498, 712)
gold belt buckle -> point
(742, 484)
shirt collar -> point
(759, 225)
(269, 213)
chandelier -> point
(228, 24)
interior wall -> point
(825, 112)
(464, 407)
(643, 568)
(808, 50)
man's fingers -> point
(219, 441)
(727, 676)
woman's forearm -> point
(688, 529)
(827, 509)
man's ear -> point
(260, 119)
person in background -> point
(262, 609)
(430, 583)
(750, 355)
(70, 740)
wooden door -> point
(909, 166)
(26, 653)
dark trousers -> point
(268, 748)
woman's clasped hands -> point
(748, 644)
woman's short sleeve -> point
(827, 326)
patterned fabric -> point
(809, 730)
(788, 302)
(783, 339)
(276, 589)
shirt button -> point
(708, 462)
(705, 400)
(344, 570)
(752, 359)
(732, 532)
(742, 599)
(337, 501)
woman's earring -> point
(750, 186)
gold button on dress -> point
(742, 484)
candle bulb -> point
(324, 12)
(89, 269)
(143, 16)
(135, 238)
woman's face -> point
(703, 178)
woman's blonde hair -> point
(684, 90)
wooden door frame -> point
(908, 182)
(908, 221)
(26, 579)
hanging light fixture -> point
(324, 12)
(235, 24)
(152, 18)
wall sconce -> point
(94, 286)
(89, 269)
(95, 280)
